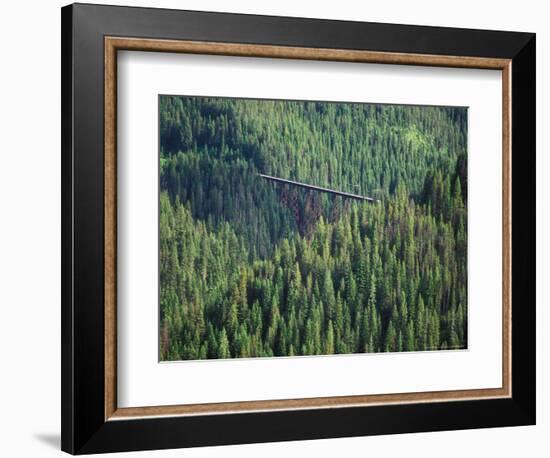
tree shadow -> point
(51, 439)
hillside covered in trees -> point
(252, 268)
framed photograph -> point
(280, 228)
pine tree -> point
(223, 348)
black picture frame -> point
(84, 429)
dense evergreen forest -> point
(251, 268)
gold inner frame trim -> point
(114, 44)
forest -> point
(253, 268)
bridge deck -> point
(318, 188)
